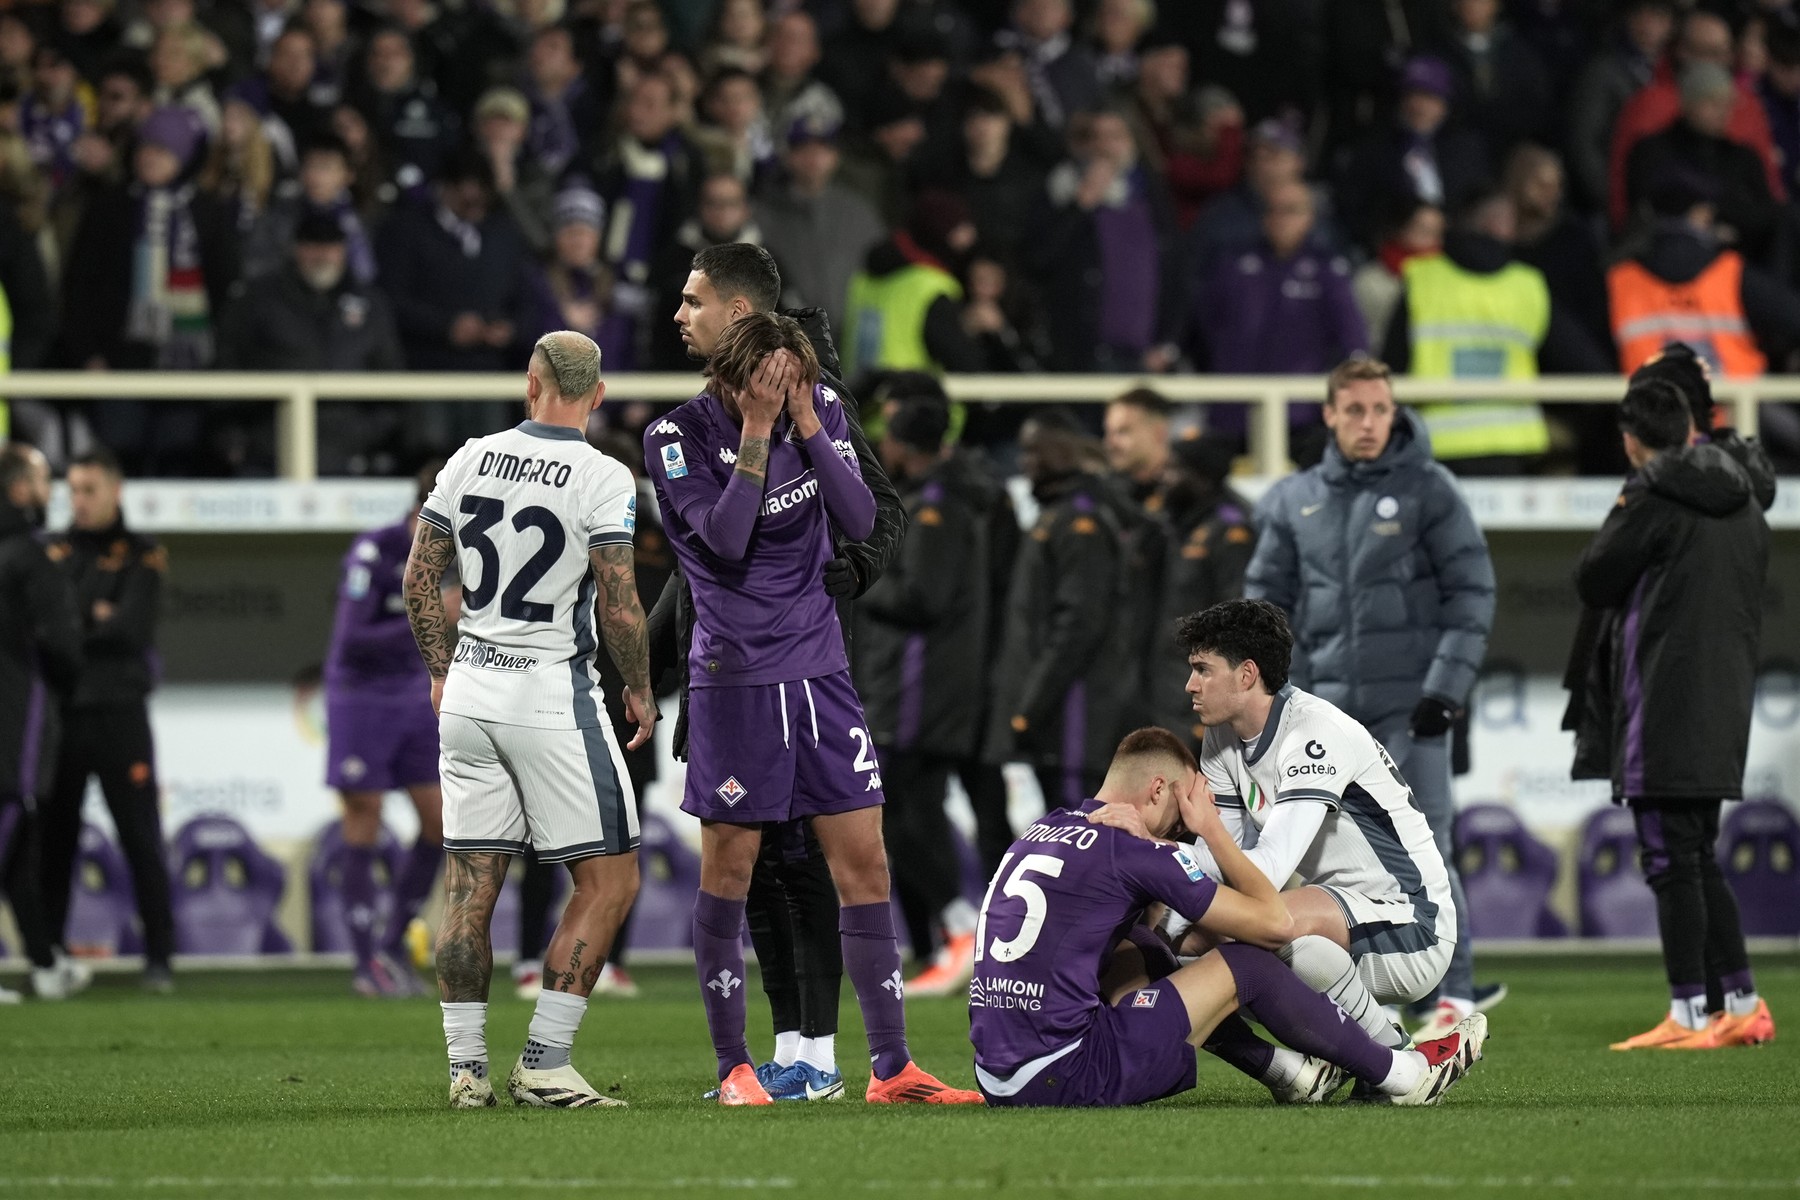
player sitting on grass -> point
(1074, 1005)
(1308, 791)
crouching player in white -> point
(1075, 1005)
(535, 519)
(1308, 791)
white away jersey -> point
(525, 507)
(1374, 843)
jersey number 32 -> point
(485, 512)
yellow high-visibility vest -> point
(1470, 326)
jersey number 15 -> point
(485, 512)
(1037, 905)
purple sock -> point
(1740, 982)
(1304, 1019)
(872, 960)
(359, 900)
(719, 958)
(410, 890)
(1237, 1045)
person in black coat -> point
(1418, 157)
(1066, 682)
(919, 668)
(458, 275)
(1681, 561)
(1696, 145)
(117, 575)
(40, 653)
(1210, 543)
(792, 909)
(310, 315)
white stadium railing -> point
(298, 396)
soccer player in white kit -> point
(538, 521)
(1309, 792)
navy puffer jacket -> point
(1384, 574)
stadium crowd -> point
(962, 185)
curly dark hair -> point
(1240, 630)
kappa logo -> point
(727, 455)
(894, 984)
(827, 395)
(666, 428)
(874, 784)
(725, 984)
(731, 791)
(1315, 751)
(353, 767)
(1145, 998)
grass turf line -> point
(286, 1085)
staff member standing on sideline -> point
(1680, 564)
(1386, 578)
(118, 579)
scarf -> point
(168, 306)
(467, 236)
(553, 138)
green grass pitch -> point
(258, 1085)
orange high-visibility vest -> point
(1707, 313)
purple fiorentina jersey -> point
(761, 616)
(372, 647)
(1063, 898)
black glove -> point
(1432, 717)
(840, 578)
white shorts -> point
(1398, 959)
(565, 791)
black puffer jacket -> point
(672, 620)
(1067, 688)
(921, 667)
(40, 647)
(1678, 569)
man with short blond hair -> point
(1385, 576)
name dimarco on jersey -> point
(515, 469)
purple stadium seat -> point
(1614, 899)
(103, 918)
(226, 890)
(1507, 875)
(669, 873)
(330, 926)
(1759, 851)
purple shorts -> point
(1133, 1052)
(376, 743)
(779, 751)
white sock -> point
(465, 1031)
(959, 918)
(1325, 966)
(1741, 1004)
(1409, 1066)
(787, 1047)
(1463, 1007)
(1284, 1068)
(1689, 1012)
(556, 1018)
(820, 1053)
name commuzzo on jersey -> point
(526, 506)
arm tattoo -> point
(465, 948)
(432, 552)
(622, 615)
(753, 459)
